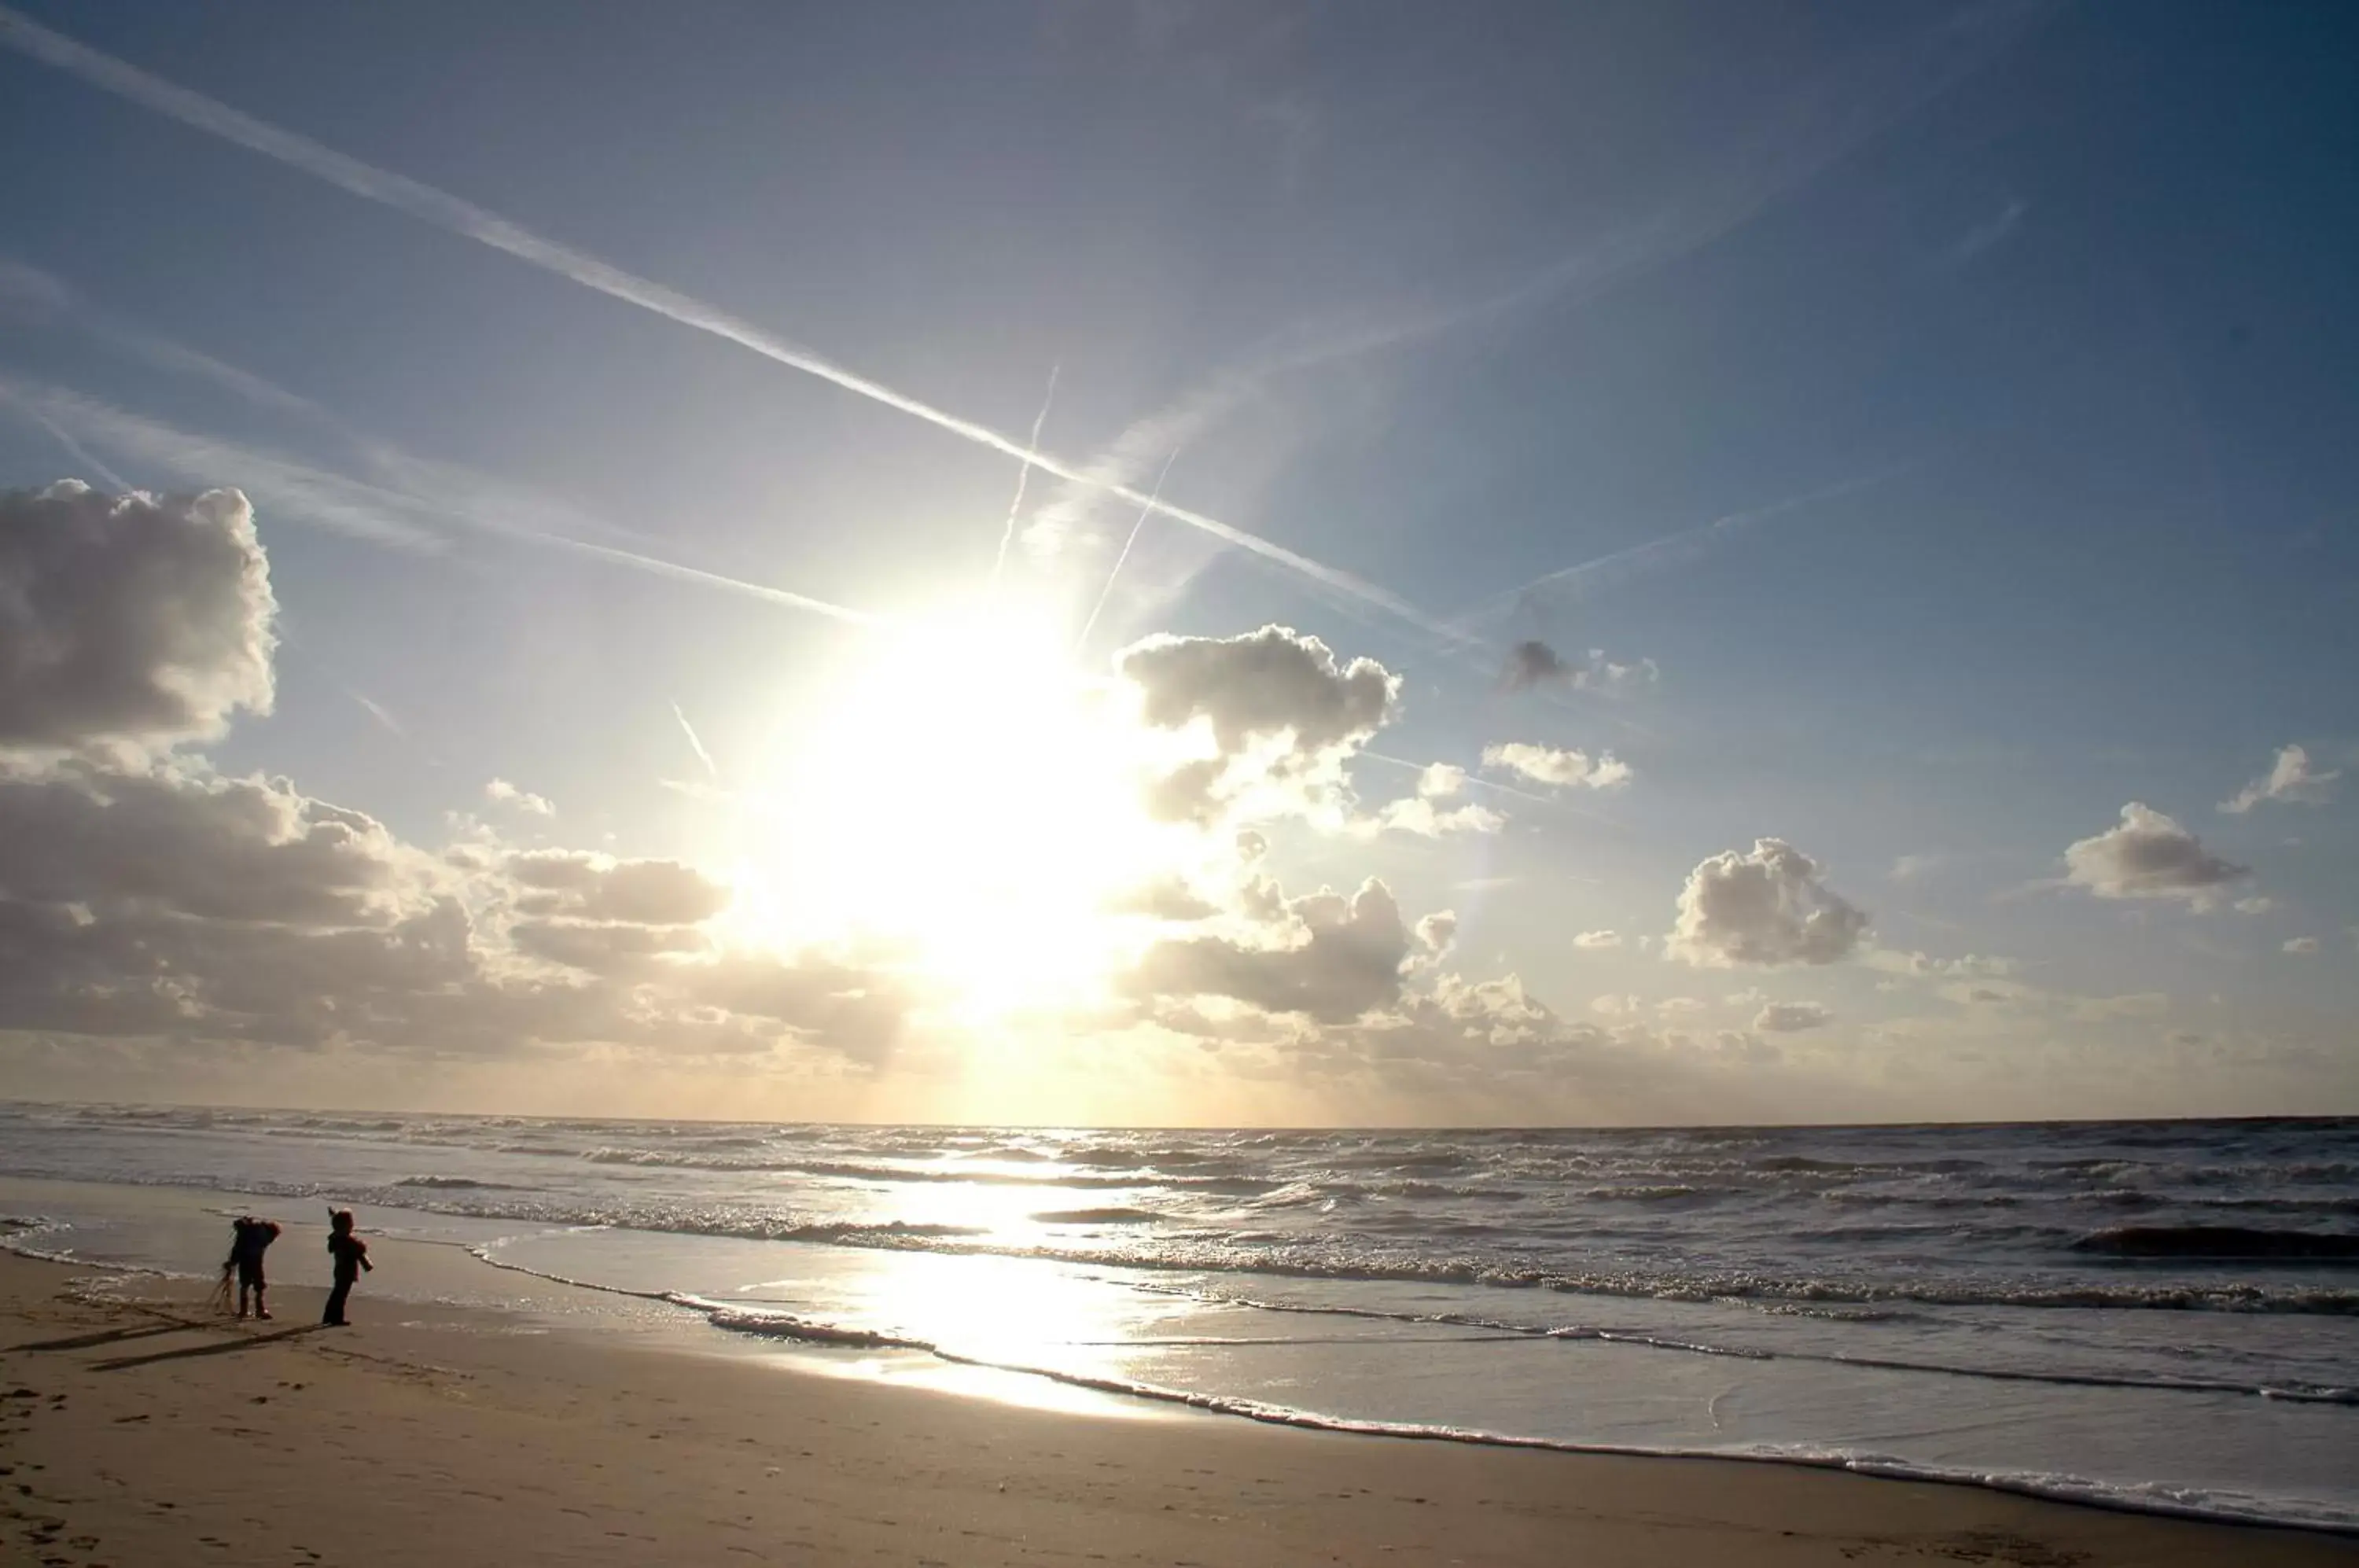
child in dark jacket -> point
(350, 1254)
(249, 1240)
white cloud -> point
(1922, 965)
(1440, 781)
(1546, 765)
(1670, 1004)
(2301, 944)
(130, 620)
(1417, 815)
(2255, 905)
(1617, 1006)
(1908, 867)
(1791, 1017)
(1598, 939)
(2290, 779)
(501, 792)
(1770, 907)
(2148, 855)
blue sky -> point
(2008, 346)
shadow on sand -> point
(110, 1336)
(226, 1347)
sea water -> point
(2161, 1315)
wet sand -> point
(137, 1432)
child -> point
(350, 1254)
(249, 1240)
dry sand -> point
(136, 1435)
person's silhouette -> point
(350, 1254)
(250, 1238)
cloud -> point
(2290, 780)
(1546, 765)
(176, 910)
(1771, 907)
(2148, 855)
(1440, 781)
(1535, 664)
(601, 887)
(1921, 965)
(1330, 958)
(1277, 715)
(501, 792)
(1164, 899)
(2133, 1004)
(1791, 1017)
(2301, 944)
(1908, 867)
(2260, 906)
(1417, 815)
(1598, 939)
(129, 620)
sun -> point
(967, 791)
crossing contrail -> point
(1107, 592)
(694, 744)
(375, 513)
(1024, 474)
(469, 221)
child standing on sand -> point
(249, 1240)
(350, 1254)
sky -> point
(1174, 561)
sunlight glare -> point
(969, 792)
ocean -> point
(2158, 1315)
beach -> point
(135, 1431)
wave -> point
(2238, 1243)
(2140, 1497)
(1096, 1216)
(1226, 1254)
(459, 1184)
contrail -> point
(365, 511)
(74, 449)
(695, 745)
(1472, 778)
(1023, 473)
(1107, 592)
(1674, 547)
(463, 218)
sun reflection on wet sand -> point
(1002, 1320)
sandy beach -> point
(144, 1433)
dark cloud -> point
(1535, 664)
(600, 887)
(182, 841)
(129, 620)
(1282, 713)
(1333, 959)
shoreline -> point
(558, 1424)
(811, 1347)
